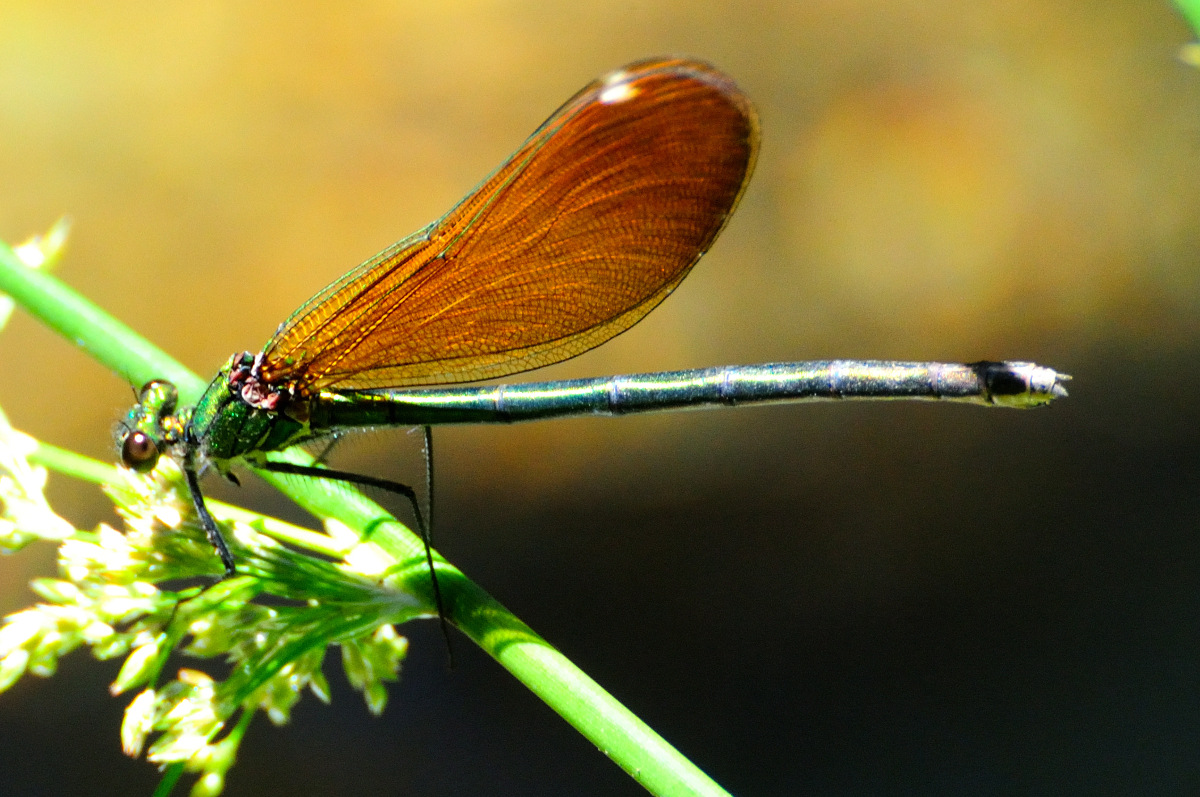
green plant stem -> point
(106, 339)
(577, 698)
(77, 466)
(1190, 10)
(170, 777)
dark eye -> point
(139, 452)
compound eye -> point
(148, 388)
(139, 452)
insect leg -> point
(206, 519)
(381, 484)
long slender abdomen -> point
(1007, 384)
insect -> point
(591, 223)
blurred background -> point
(837, 600)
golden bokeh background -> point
(831, 599)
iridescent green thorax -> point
(224, 427)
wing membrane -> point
(584, 230)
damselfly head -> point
(151, 426)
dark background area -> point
(839, 600)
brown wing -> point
(587, 227)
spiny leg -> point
(388, 486)
(428, 534)
(323, 457)
(206, 520)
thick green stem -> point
(580, 700)
(1191, 10)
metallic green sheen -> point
(1004, 384)
(226, 427)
